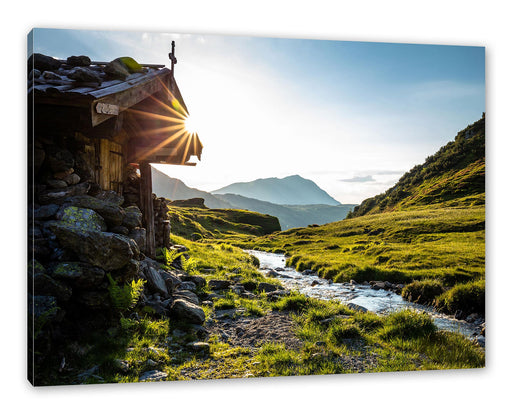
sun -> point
(191, 124)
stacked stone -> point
(131, 186)
(162, 223)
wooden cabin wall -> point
(112, 162)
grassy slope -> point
(428, 229)
(335, 338)
(197, 223)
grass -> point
(432, 250)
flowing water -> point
(378, 301)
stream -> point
(377, 301)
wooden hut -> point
(133, 117)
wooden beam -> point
(146, 194)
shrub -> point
(467, 297)
(425, 291)
(407, 324)
(341, 330)
(125, 297)
(295, 302)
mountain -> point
(453, 176)
(174, 189)
(289, 215)
(292, 190)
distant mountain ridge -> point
(453, 176)
(289, 215)
(291, 190)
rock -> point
(132, 218)
(198, 280)
(155, 282)
(72, 179)
(82, 275)
(378, 285)
(267, 287)
(110, 196)
(46, 212)
(308, 272)
(53, 183)
(480, 340)
(171, 281)
(121, 365)
(314, 283)
(109, 251)
(199, 346)
(154, 375)
(187, 286)
(187, 295)
(96, 300)
(120, 230)
(61, 196)
(216, 284)
(82, 218)
(112, 213)
(78, 60)
(179, 248)
(60, 160)
(42, 62)
(186, 311)
(139, 236)
(63, 174)
(249, 285)
(44, 285)
(116, 70)
(472, 318)
(40, 305)
(357, 308)
(48, 75)
(34, 74)
(238, 289)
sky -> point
(351, 116)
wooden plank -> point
(142, 80)
(127, 97)
(146, 191)
(108, 109)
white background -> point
(456, 22)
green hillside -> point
(427, 232)
(454, 175)
(196, 223)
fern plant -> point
(169, 256)
(125, 297)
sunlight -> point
(191, 124)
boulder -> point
(116, 70)
(110, 196)
(46, 212)
(78, 60)
(132, 218)
(187, 286)
(153, 375)
(186, 311)
(138, 234)
(112, 213)
(42, 62)
(357, 308)
(109, 251)
(187, 295)
(60, 160)
(216, 284)
(82, 275)
(267, 287)
(82, 218)
(53, 183)
(171, 281)
(95, 299)
(44, 285)
(155, 282)
(61, 196)
(72, 179)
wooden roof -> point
(63, 104)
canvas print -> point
(211, 207)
